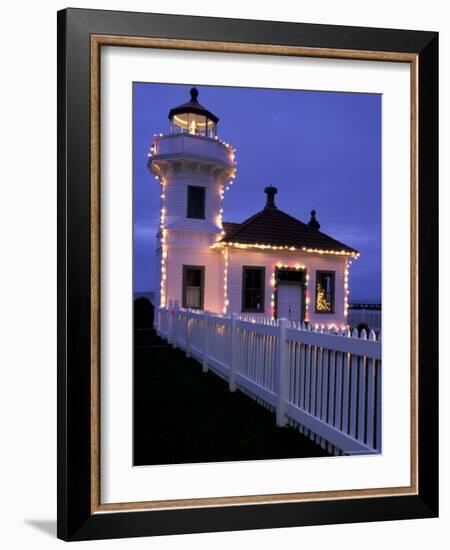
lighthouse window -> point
(324, 291)
(253, 289)
(196, 202)
(193, 286)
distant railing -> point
(365, 305)
(328, 384)
(369, 314)
(191, 144)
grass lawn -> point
(182, 415)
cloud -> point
(147, 231)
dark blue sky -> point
(321, 150)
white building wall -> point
(237, 258)
(188, 241)
(179, 162)
(175, 203)
(194, 249)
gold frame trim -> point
(97, 41)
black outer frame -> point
(75, 521)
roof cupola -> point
(270, 192)
(313, 223)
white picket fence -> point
(328, 384)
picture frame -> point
(81, 35)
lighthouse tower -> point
(193, 167)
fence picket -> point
(354, 372)
(370, 398)
(233, 352)
(378, 407)
(325, 390)
(339, 390)
(312, 404)
(362, 396)
(345, 392)
(175, 328)
(205, 341)
(318, 407)
(307, 379)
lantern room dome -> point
(193, 118)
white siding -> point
(269, 259)
(188, 241)
(210, 259)
(176, 190)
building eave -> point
(304, 249)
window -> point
(324, 292)
(196, 202)
(193, 286)
(253, 279)
(289, 275)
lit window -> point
(253, 289)
(193, 286)
(325, 291)
(196, 202)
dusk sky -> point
(321, 150)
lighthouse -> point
(270, 264)
(193, 168)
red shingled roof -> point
(230, 227)
(273, 227)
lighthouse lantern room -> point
(193, 118)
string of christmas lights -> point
(346, 287)
(226, 245)
(163, 231)
(225, 282)
(306, 297)
(285, 247)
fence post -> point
(233, 352)
(205, 341)
(282, 389)
(175, 312)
